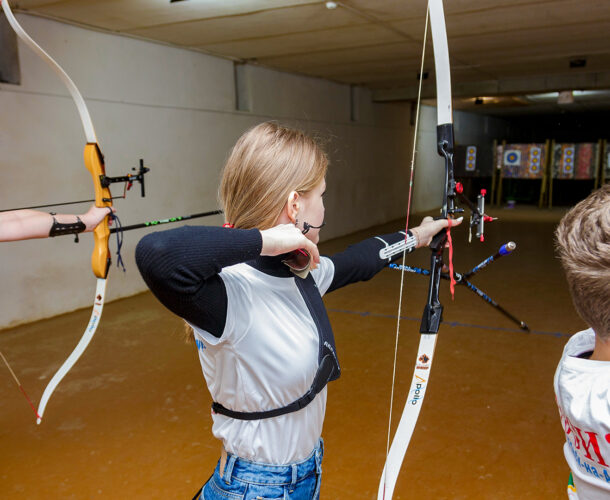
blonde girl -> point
(252, 293)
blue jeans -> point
(246, 480)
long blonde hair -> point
(267, 163)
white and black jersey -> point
(581, 391)
(259, 329)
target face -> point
(567, 163)
(512, 158)
(471, 158)
(534, 163)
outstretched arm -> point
(27, 224)
(363, 260)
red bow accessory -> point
(452, 281)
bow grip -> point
(100, 258)
(439, 239)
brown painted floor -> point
(131, 420)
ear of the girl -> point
(292, 206)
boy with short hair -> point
(582, 379)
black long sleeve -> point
(361, 261)
(181, 268)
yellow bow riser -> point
(100, 258)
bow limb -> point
(438, 28)
(74, 92)
(406, 426)
(100, 263)
(94, 161)
(433, 311)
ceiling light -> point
(577, 95)
(331, 5)
(543, 97)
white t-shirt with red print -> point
(582, 390)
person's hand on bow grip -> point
(430, 228)
(285, 238)
(95, 215)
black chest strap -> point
(328, 364)
(323, 376)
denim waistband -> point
(268, 474)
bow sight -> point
(478, 217)
(105, 181)
(128, 179)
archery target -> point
(512, 158)
(534, 160)
(567, 163)
(471, 158)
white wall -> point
(470, 128)
(176, 109)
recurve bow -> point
(94, 161)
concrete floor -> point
(131, 420)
